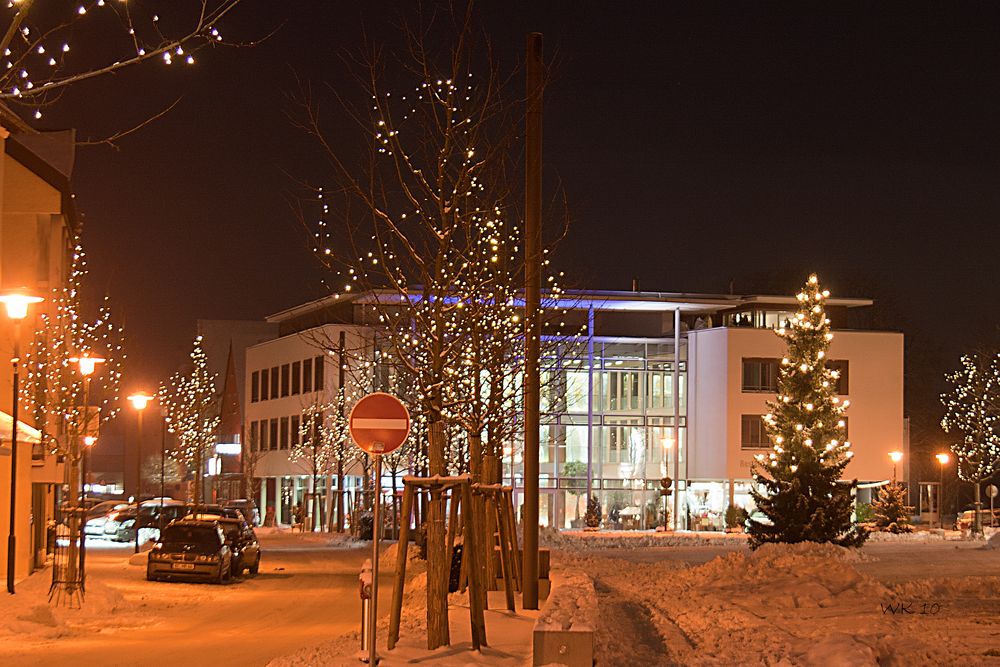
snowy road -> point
(306, 592)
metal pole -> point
(83, 505)
(677, 418)
(376, 521)
(11, 539)
(138, 479)
(532, 299)
(590, 403)
(941, 499)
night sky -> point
(696, 143)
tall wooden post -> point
(532, 299)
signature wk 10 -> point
(904, 608)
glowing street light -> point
(139, 401)
(943, 459)
(895, 457)
(87, 364)
(16, 304)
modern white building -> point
(657, 385)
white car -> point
(96, 521)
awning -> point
(25, 434)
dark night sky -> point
(697, 143)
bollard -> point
(365, 590)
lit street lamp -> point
(139, 402)
(943, 460)
(87, 364)
(17, 309)
(895, 457)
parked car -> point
(97, 517)
(966, 518)
(190, 549)
(247, 507)
(120, 524)
(241, 539)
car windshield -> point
(200, 535)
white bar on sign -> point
(392, 424)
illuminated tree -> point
(323, 445)
(192, 410)
(972, 413)
(798, 483)
(38, 45)
(54, 387)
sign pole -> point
(376, 520)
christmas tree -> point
(593, 516)
(798, 487)
(892, 514)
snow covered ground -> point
(662, 600)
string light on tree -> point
(799, 485)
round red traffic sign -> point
(379, 423)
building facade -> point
(656, 385)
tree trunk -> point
(438, 562)
(340, 495)
(197, 476)
(977, 522)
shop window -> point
(760, 375)
(284, 432)
(307, 376)
(842, 366)
(754, 435)
(296, 377)
(255, 386)
(265, 384)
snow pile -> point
(572, 605)
(994, 542)
(916, 536)
(28, 613)
(633, 539)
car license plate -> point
(183, 566)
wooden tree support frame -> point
(461, 518)
(499, 506)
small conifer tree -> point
(892, 514)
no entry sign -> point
(379, 423)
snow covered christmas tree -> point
(798, 487)
(892, 514)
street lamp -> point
(895, 457)
(16, 305)
(943, 460)
(139, 401)
(87, 364)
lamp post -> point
(17, 309)
(88, 442)
(87, 365)
(895, 457)
(139, 401)
(943, 460)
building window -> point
(296, 377)
(264, 440)
(265, 384)
(296, 438)
(254, 386)
(307, 376)
(843, 367)
(254, 445)
(318, 373)
(274, 382)
(284, 432)
(760, 375)
(274, 434)
(754, 435)
(284, 380)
